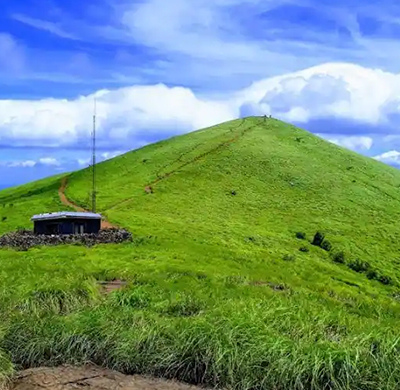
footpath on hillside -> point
(149, 188)
(90, 378)
(67, 202)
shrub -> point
(372, 274)
(318, 239)
(359, 266)
(301, 235)
(289, 258)
(304, 249)
(385, 279)
(326, 245)
(339, 257)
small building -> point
(66, 222)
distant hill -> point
(223, 288)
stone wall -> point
(25, 239)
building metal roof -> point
(65, 215)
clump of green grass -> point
(326, 245)
(301, 235)
(385, 279)
(359, 266)
(339, 257)
(184, 306)
(289, 257)
(137, 298)
(56, 301)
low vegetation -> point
(209, 297)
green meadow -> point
(224, 286)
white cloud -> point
(22, 164)
(213, 45)
(392, 157)
(137, 115)
(49, 161)
(12, 55)
(109, 155)
(45, 25)
(231, 40)
(82, 162)
(353, 143)
(330, 90)
(44, 161)
(122, 114)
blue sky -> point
(162, 68)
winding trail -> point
(67, 202)
(149, 186)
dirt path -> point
(149, 187)
(90, 378)
(65, 201)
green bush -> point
(372, 274)
(318, 239)
(326, 245)
(359, 266)
(385, 279)
(339, 257)
(301, 235)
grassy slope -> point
(200, 306)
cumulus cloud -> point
(49, 161)
(348, 102)
(353, 143)
(83, 162)
(109, 155)
(123, 114)
(334, 90)
(392, 157)
(44, 161)
(21, 164)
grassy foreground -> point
(219, 292)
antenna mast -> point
(94, 159)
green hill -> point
(219, 291)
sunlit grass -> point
(218, 291)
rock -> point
(24, 239)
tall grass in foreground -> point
(246, 344)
